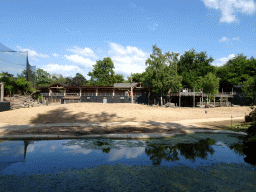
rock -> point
(19, 101)
(247, 118)
(170, 104)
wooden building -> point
(118, 93)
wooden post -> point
(96, 92)
(194, 98)
(80, 91)
(2, 92)
(132, 93)
(214, 101)
(64, 92)
(113, 92)
(202, 96)
(179, 97)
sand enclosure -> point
(96, 118)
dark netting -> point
(15, 62)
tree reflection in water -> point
(159, 152)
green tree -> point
(79, 79)
(236, 71)
(22, 75)
(249, 88)
(23, 85)
(118, 78)
(210, 84)
(137, 77)
(9, 85)
(43, 78)
(161, 73)
(102, 73)
(192, 65)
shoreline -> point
(116, 130)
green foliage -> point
(136, 77)
(192, 65)
(118, 78)
(161, 73)
(40, 98)
(102, 73)
(210, 84)
(236, 71)
(79, 79)
(23, 85)
(249, 88)
(43, 78)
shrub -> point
(252, 130)
(40, 98)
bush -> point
(40, 98)
(252, 130)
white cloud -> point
(127, 60)
(81, 61)
(55, 55)
(223, 39)
(33, 54)
(85, 52)
(228, 8)
(222, 61)
(65, 70)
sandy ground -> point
(95, 118)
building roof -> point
(116, 85)
(125, 85)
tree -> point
(192, 65)
(161, 73)
(102, 73)
(23, 85)
(79, 79)
(236, 71)
(118, 78)
(249, 88)
(137, 77)
(9, 85)
(43, 78)
(22, 75)
(210, 84)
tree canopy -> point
(236, 71)
(192, 65)
(161, 73)
(210, 84)
(102, 73)
(43, 78)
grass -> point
(238, 127)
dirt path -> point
(99, 118)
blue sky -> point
(68, 37)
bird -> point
(205, 111)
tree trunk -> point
(161, 100)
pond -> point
(189, 162)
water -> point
(183, 162)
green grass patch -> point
(238, 127)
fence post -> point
(194, 98)
(179, 97)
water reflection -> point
(170, 153)
(34, 157)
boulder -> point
(168, 104)
(251, 116)
(247, 118)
